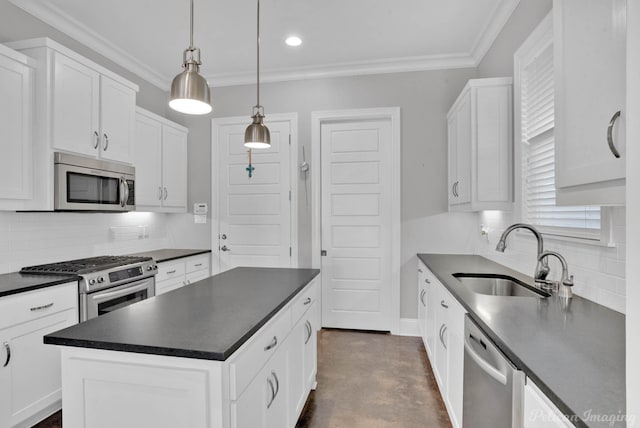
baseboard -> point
(409, 327)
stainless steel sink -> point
(498, 285)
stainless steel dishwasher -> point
(493, 387)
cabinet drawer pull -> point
(271, 345)
(8, 348)
(166, 193)
(456, 189)
(612, 146)
(422, 293)
(444, 305)
(419, 270)
(106, 141)
(159, 193)
(309, 331)
(95, 133)
(169, 272)
(41, 308)
(307, 301)
(427, 281)
(273, 392)
(453, 187)
(198, 265)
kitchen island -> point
(234, 350)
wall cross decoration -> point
(250, 168)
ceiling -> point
(340, 37)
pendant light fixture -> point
(257, 135)
(190, 92)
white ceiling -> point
(340, 37)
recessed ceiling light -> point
(293, 41)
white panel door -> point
(174, 165)
(356, 224)
(148, 162)
(76, 104)
(117, 114)
(254, 213)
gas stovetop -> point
(84, 266)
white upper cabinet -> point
(480, 146)
(160, 154)
(117, 120)
(589, 66)
(76, 107)
(16, 107)
(81, 107)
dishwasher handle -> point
(481, 362)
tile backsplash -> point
(30, 238)
(599, 271)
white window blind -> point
(538, 160)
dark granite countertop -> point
(14, 283)
(209, 319)
(168, 254)
(574, 354)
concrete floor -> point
(367, 380)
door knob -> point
(224, 248)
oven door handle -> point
(123, 292)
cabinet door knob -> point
(612, 146)
(97, 137)
(106, 141)
(8, 348)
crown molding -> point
(384, 66)
(52, 15)
(58, 19)
(492, 29)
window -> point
(534, 99)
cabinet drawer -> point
(168, 285)
(197, 276)
(304, 301)
(170, 271)
(197, 263)
(257, 352)
(31, 305)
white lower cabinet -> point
(444, 340)
(30, 385)
(264, 403)
(539, 411)
(276, 396)
(180, 272)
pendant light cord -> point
(191, 28)
(257, 57)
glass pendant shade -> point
(257, 135)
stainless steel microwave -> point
(86, 184)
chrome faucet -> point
(566, 282)
(542, 265)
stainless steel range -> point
(107, 283)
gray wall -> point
(424, 98)
(498, 62)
